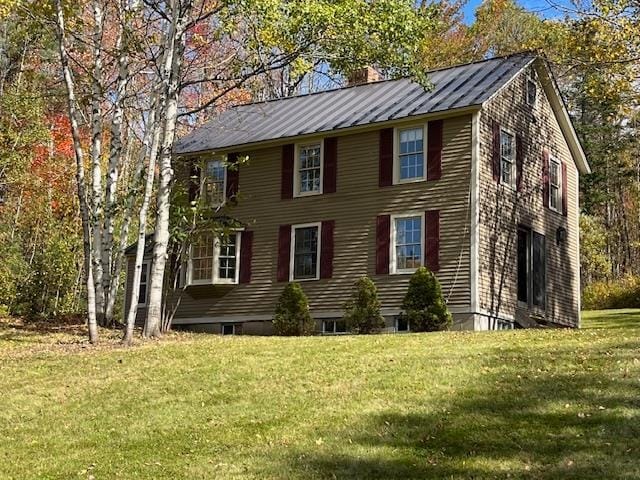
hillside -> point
(512, 404)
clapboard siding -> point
(500, 214)
(354, 208)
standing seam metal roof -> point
(456, 87)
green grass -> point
(541, 404)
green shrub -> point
(423, 305)
(362, 312)
(292, 313)
(621, 293)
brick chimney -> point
(362, 76)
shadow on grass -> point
(517, 424)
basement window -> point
(402, 324)
(331, 327)
(228, 329)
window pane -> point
(408, 242)
(523, 266)
(202, 258)
(411, 153)
(539, 270)
(227, 258)
(507, 154)
(305, 256)
(309, 170)
(214, 182)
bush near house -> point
(362, 312)
(424, 306)
(292, 316)
(620, 293)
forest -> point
(94, 93)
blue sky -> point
(545, 8)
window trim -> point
(203, 178)
(215, 274)
(296, 167)
(292, 250)
(514, 173)
(531, 80)
(396, 153)
(555, 160)
(142, 302)
(392, 242)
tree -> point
(362, 312)
(423, 306)
(292, 317)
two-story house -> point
(476, 178)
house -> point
(476, 178)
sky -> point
(545, 8)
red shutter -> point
(432, 240)
(545, 178)
(385, 172)
(329, 175)
(495, 157)
(286, 188)
(194, 181)
(233, 176)
(326, 249)
(246, 254)
(284, 250)
(383, 237)
(564, 189)
(434, 150)
(519, 161)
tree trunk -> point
(80, 178)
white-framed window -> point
(507, 158)
(555, 184)
(305, 252)
(214, 182)
(308, 168)
(407, 242)
(410, 156)
(332, 327)
(214, 260)
(228, 329)
(402, 324)
(532, 92)
(144, 283)
(504, 325)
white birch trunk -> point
(96, 158)
(171, 80)
(80, 177)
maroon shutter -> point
(495, 157)
(329, 175)
(545, 178)
(246, 254)
(284, 250)
(233, 176)
(519, 161)
(194, 181)
(383, 237)
(432, 240)
(286, 188)
(434, 150)
(326, 249)
(385, 172)
(564, 189)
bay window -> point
(214, 260)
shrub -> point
(423, 305)
(621, 293)
(292, 313)
(362, 312)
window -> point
(507, 158)
(407, 243)
(334, 326)
(228, 329)
(531, 268)
(144, 281)
(214, 182)
(555, 184)
(305, 250)
(402, 324)
(308, 170)
(532, 92)
(504, 325)
(214, 260)
(410, 155)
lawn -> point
(541, 404)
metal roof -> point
(456, 87)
